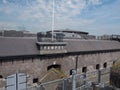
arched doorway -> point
(56, 66)
(113, 62)
(1, 76)
(84, 69)
(98, 66)
(105, 65)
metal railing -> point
(85, 81)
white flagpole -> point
(53, 21)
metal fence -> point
(85, 81)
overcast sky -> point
(94, 16)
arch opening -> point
(71, 71)
(105, 65)
(56, 66)
(84, 69)
(1, 76)
(113, 62)
(98, 66)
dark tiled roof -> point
(27, 46)
(91, 45)
(17, 46)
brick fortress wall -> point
(37, 67)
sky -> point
(98, 17)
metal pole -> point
(64, 84)
(99, 76)
(16, 81)
(76, 64)
(40, 87)
(84, 78)
(73, 79)
(53, 21)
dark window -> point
(98, 66)
(35, 80)
(84, 69)
(105, 65)
(113, 62)
(1, 76)
(71, 71)
(57, 66)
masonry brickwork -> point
(37, 67)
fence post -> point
(99, 76)
(64, 84)
(84, 78)
(40, 87)
(73, 79)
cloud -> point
(95, 2)
(63, 8)
(65, 11)
(40, 12)
(37, 14)
(8, 25)
(116, 18)
(4, 1)
(43, 8)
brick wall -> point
(37, 67)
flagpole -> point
(53, 20)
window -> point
(62, 47)
(58, 47)
(55, 47)
(98, 66)
(35, 80)
(71, 71)
(113, 62)
(1, 76)
(45, 47)
(52, 47)
(41, 47)
(105, 65)
(84, 69)
(48, 47)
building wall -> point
(37, 67)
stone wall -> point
(37, 67)
(115, 74)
